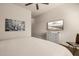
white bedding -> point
(32, 47)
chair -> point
(77, 39)
(74, 44)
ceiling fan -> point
(37, 6)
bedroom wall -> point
(14, 12)
(68, 12)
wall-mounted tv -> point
(55, 25)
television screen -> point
(55, 25)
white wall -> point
(69, 13)
(14, 12)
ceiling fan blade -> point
(28, 4)
(37, 7)
(46, 3)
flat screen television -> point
(56, 25)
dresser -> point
(52, 36)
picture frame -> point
(55, 25)
(14, 25)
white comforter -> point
(32, 47)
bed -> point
(30, 46)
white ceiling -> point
(42, 7)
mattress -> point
(30, 46)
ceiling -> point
(42, 8)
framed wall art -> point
(14, 25)
(56, 25)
